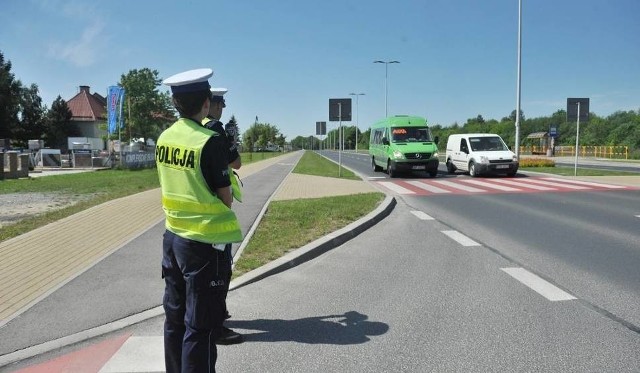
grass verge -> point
(569, 171)
(90, 188)
(312, 163)
(289, 225)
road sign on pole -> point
(339, 109)
(572, 109)
(577, 109)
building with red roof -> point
(89, 113)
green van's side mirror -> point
(436, 140)
(385, 141)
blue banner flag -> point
(115, 98)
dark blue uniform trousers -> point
(196, 282)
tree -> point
(9, 99)
(145, 109)
(259, 135)
(58, 126)
(299, 143)
(363, 139)
(31, 126)
(512, 116)
(234, 122)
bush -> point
(537, 162)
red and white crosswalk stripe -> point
(122, 354)
(494, 185)
(137, 354)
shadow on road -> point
(349, 328)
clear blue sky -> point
(283, 59)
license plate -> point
(502, 166)
(419, 167)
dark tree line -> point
(621, 128)
(23, 117)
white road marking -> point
(522, 184)
(461, 238)
(459, 186)
(491, 186)
(377, 177)
(637, 216)
(599, 185)
(559, 185)
(427, 187)
(396, 188)
(421, 215)
(542, 287)
(137, 354)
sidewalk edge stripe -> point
(79, 337)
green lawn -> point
(289, 225)
(569, 171)
(312, 163)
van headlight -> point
(435, 155)
(398, 154)
(515, 158)
(484, 159)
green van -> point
(403, 143)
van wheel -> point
(472, 169)
(433, 173)
(390, 170)
(376, 168)
(450, 167)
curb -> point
(317, 247)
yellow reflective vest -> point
(192, 210)
(236, 191)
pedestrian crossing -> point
(123, 353)
(465, 185)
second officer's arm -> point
(215, 169)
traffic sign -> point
(340, 109)
(572, 109)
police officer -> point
(212, 121)
(196, 198)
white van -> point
(480, 153)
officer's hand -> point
(232, 131)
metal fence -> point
(612, 152)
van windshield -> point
(410, 134)
(487, 143)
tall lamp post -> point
(357, 95)
(386, 85)
(518, 87)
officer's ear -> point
(205, 107)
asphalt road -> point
(585, 241)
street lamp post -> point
(357, 95)
(518, 87)
(386, 85)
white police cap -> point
(189, 81)
(217, 95)
(218, 91)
